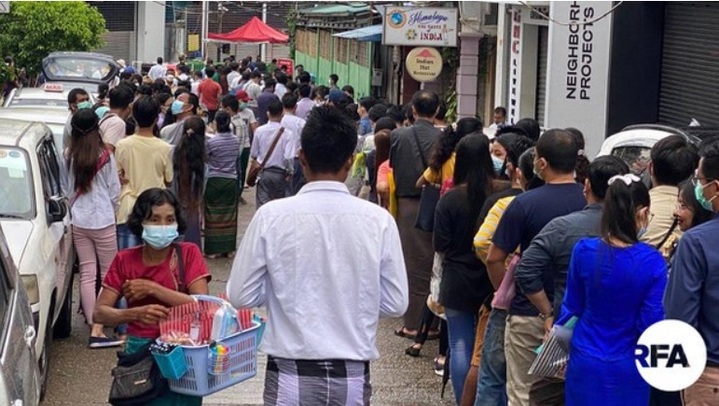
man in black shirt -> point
(556, 155)
(408, 157)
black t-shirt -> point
(525, 217)
(465, 283)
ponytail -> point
(625, 195)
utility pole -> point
(203, 34)
(263, 46)
(221, 9)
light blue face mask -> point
(642, 231)
(84, 105)
(159, 237)
(176, 107)
(699, 194)
(498, 163)
(243, 106)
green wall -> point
(357, 76)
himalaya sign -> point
(420, 26)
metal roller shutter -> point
(120, 39)
(690, 64)
(542, 74)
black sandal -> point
(413, 351)
(401, 333)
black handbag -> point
(428, 199)
(136, 379)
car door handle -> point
(30, 336)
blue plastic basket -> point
(173, 364)
(242, 364)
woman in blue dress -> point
(614, 288)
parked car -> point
(55, 119)
(19, 373)
(34, 211)
(79, 69)
(51, 96)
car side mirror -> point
(56, 209)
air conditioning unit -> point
(479, 16)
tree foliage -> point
(34, 29)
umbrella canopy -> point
(254, 31)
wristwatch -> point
(546, 316)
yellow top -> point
(447, 172)
(483, 239)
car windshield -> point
(74, 68)
(636, 157)
(15, 184)
(15, 102)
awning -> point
(373, 33)
(254, 31)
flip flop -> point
(401, 333)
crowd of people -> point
(481, 242)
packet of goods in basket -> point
(189, 324)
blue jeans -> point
(125, 239)
(492, 381)
(461, 329)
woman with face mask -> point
(149, 276)
(615, 287)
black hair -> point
(84, 149)
(445, 145)
(305, 77)
(385, 123)
(601, 170)
(72, 95)
(223, 121)
(194, 100)
(269, 82)
(328, 140)
(526, 165)
(619, 211)
(255, 74)
(425, 103)
(514, 145)
(305, 90)
(320, 91)
(281, 78)
(441, 111)
(144, 90)
(291, 87)
(396, 114)
(274, 107)
(334, 78)
(376, 112)
(245, 76)
(530, 127)
(501, 110)
(408, 114)
(674, 160)
(102, 90)
(559, 149)
(162, 98)
(367, 103)
(189, 160)
(230, 101)
(121, 96)
(210, 72)
(700, 214)
(581, 166)
(351, 111)
(234, 65)
(142, 210)
(289, 101)
(474, 168)
(349, 89)
(145, 111)
(159, 60)
(159, 85)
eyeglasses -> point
(697, 180)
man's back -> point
(334, 264)
(405, 157)
(209, 92)
(263, 100)
(295, 125)
(663, 202)
(262, 142)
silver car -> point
(20, 377)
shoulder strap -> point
(272, 147)
(669, 233)
(181, 268)
(419, 147)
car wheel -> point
(44, 362)
(63, 326)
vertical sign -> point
(578, 69)
(4, 7)
(514, 61)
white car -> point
(34, 214)
(20, 377)
(53, 118)
(52, 96)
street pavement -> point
(80, 376)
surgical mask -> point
(508, 173)
(641, 232)
(699, 194)
(159, 237)
(176, 107)
(537, 172)
(84, 105)
(243, 105)
(498, 163)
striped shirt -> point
(483, 238)
(222, 152)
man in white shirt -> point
(280, 88)
(158, 70)
(234, 75)
(305, 104)
(112, 124)
(324, 292)
(499, 119)
(181, 108)
(274, 179)
(253, 88)
(295, 124)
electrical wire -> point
(548, 18)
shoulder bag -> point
(137, 379)
(256, 168)
(429, 197)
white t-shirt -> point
(112, 129)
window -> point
(5, 296)
(50, 168)
(15, 184)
